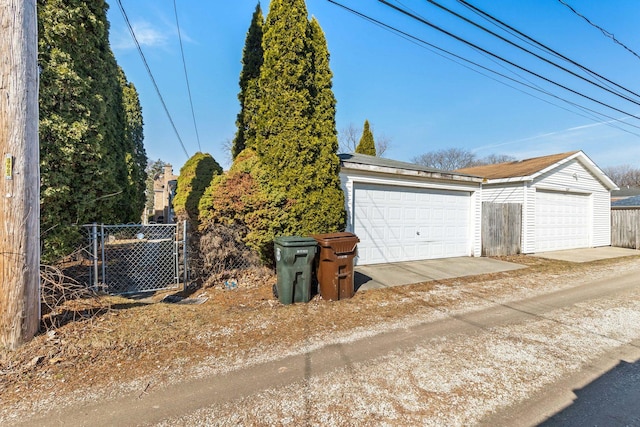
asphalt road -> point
(613, 399)
(606, 393)
(598, 380)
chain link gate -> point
(134, 258)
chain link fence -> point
(134, 258)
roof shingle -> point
(520, 168)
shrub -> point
(195, 176)
(237, 200)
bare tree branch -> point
(349, 137)
(623, 175)
(450, 159)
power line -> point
(513, 64)
(542, 45)
(516, 34)
(186, 77)
(153, 80)
(602, 30)
(436, 50)
(469, 21)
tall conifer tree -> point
(248, 96)
(366, 145)
(81, 121)
(295, 146)
(324, 210)
(135, 155)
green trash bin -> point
(294, 268)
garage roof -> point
(529, 169)
(378, 164)
(519, 168)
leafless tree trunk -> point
(20, 206)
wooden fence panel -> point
(625, 228)
(501, 229)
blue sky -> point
(418, 99)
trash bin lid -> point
(342, 242)
(294, 241)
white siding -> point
(601, 219)
(529, 219)
(476, 223)
(571, 177)
(503, 193)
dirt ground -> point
(137, 344)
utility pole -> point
(20, 180)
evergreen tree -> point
(366, 144)
(82, 153)
(135, 156)
(296, 160)
(195, 177)
(248, 96)
(324, 194)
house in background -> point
(618, 196)
(164, 190)
(626, 202)
(565, 198)
(407, 212)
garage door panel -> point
(418, 223)
(562, 221)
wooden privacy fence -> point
(625, 227)
(501, 229)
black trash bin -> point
(294, 268)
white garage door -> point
(562, 221)
(406, 223)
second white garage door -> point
(562, 221)
(405, 223)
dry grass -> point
(137, 342)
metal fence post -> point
(104, 264)
(94, 236)
(184, 245)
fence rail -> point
(501, 229)
(625, 227)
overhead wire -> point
(153, 80)
(497, 63)
(186, 76)
(513, 64)
(593, 115)
(542, 45)
(511, 43)
(602, 30)
(589, 114)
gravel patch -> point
(452, 381)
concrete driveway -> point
(405, 273)
(588, 254)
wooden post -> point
(20, 181)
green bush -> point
(236, 199)
(195, 177)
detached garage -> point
(406, 212)
(565, 198)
